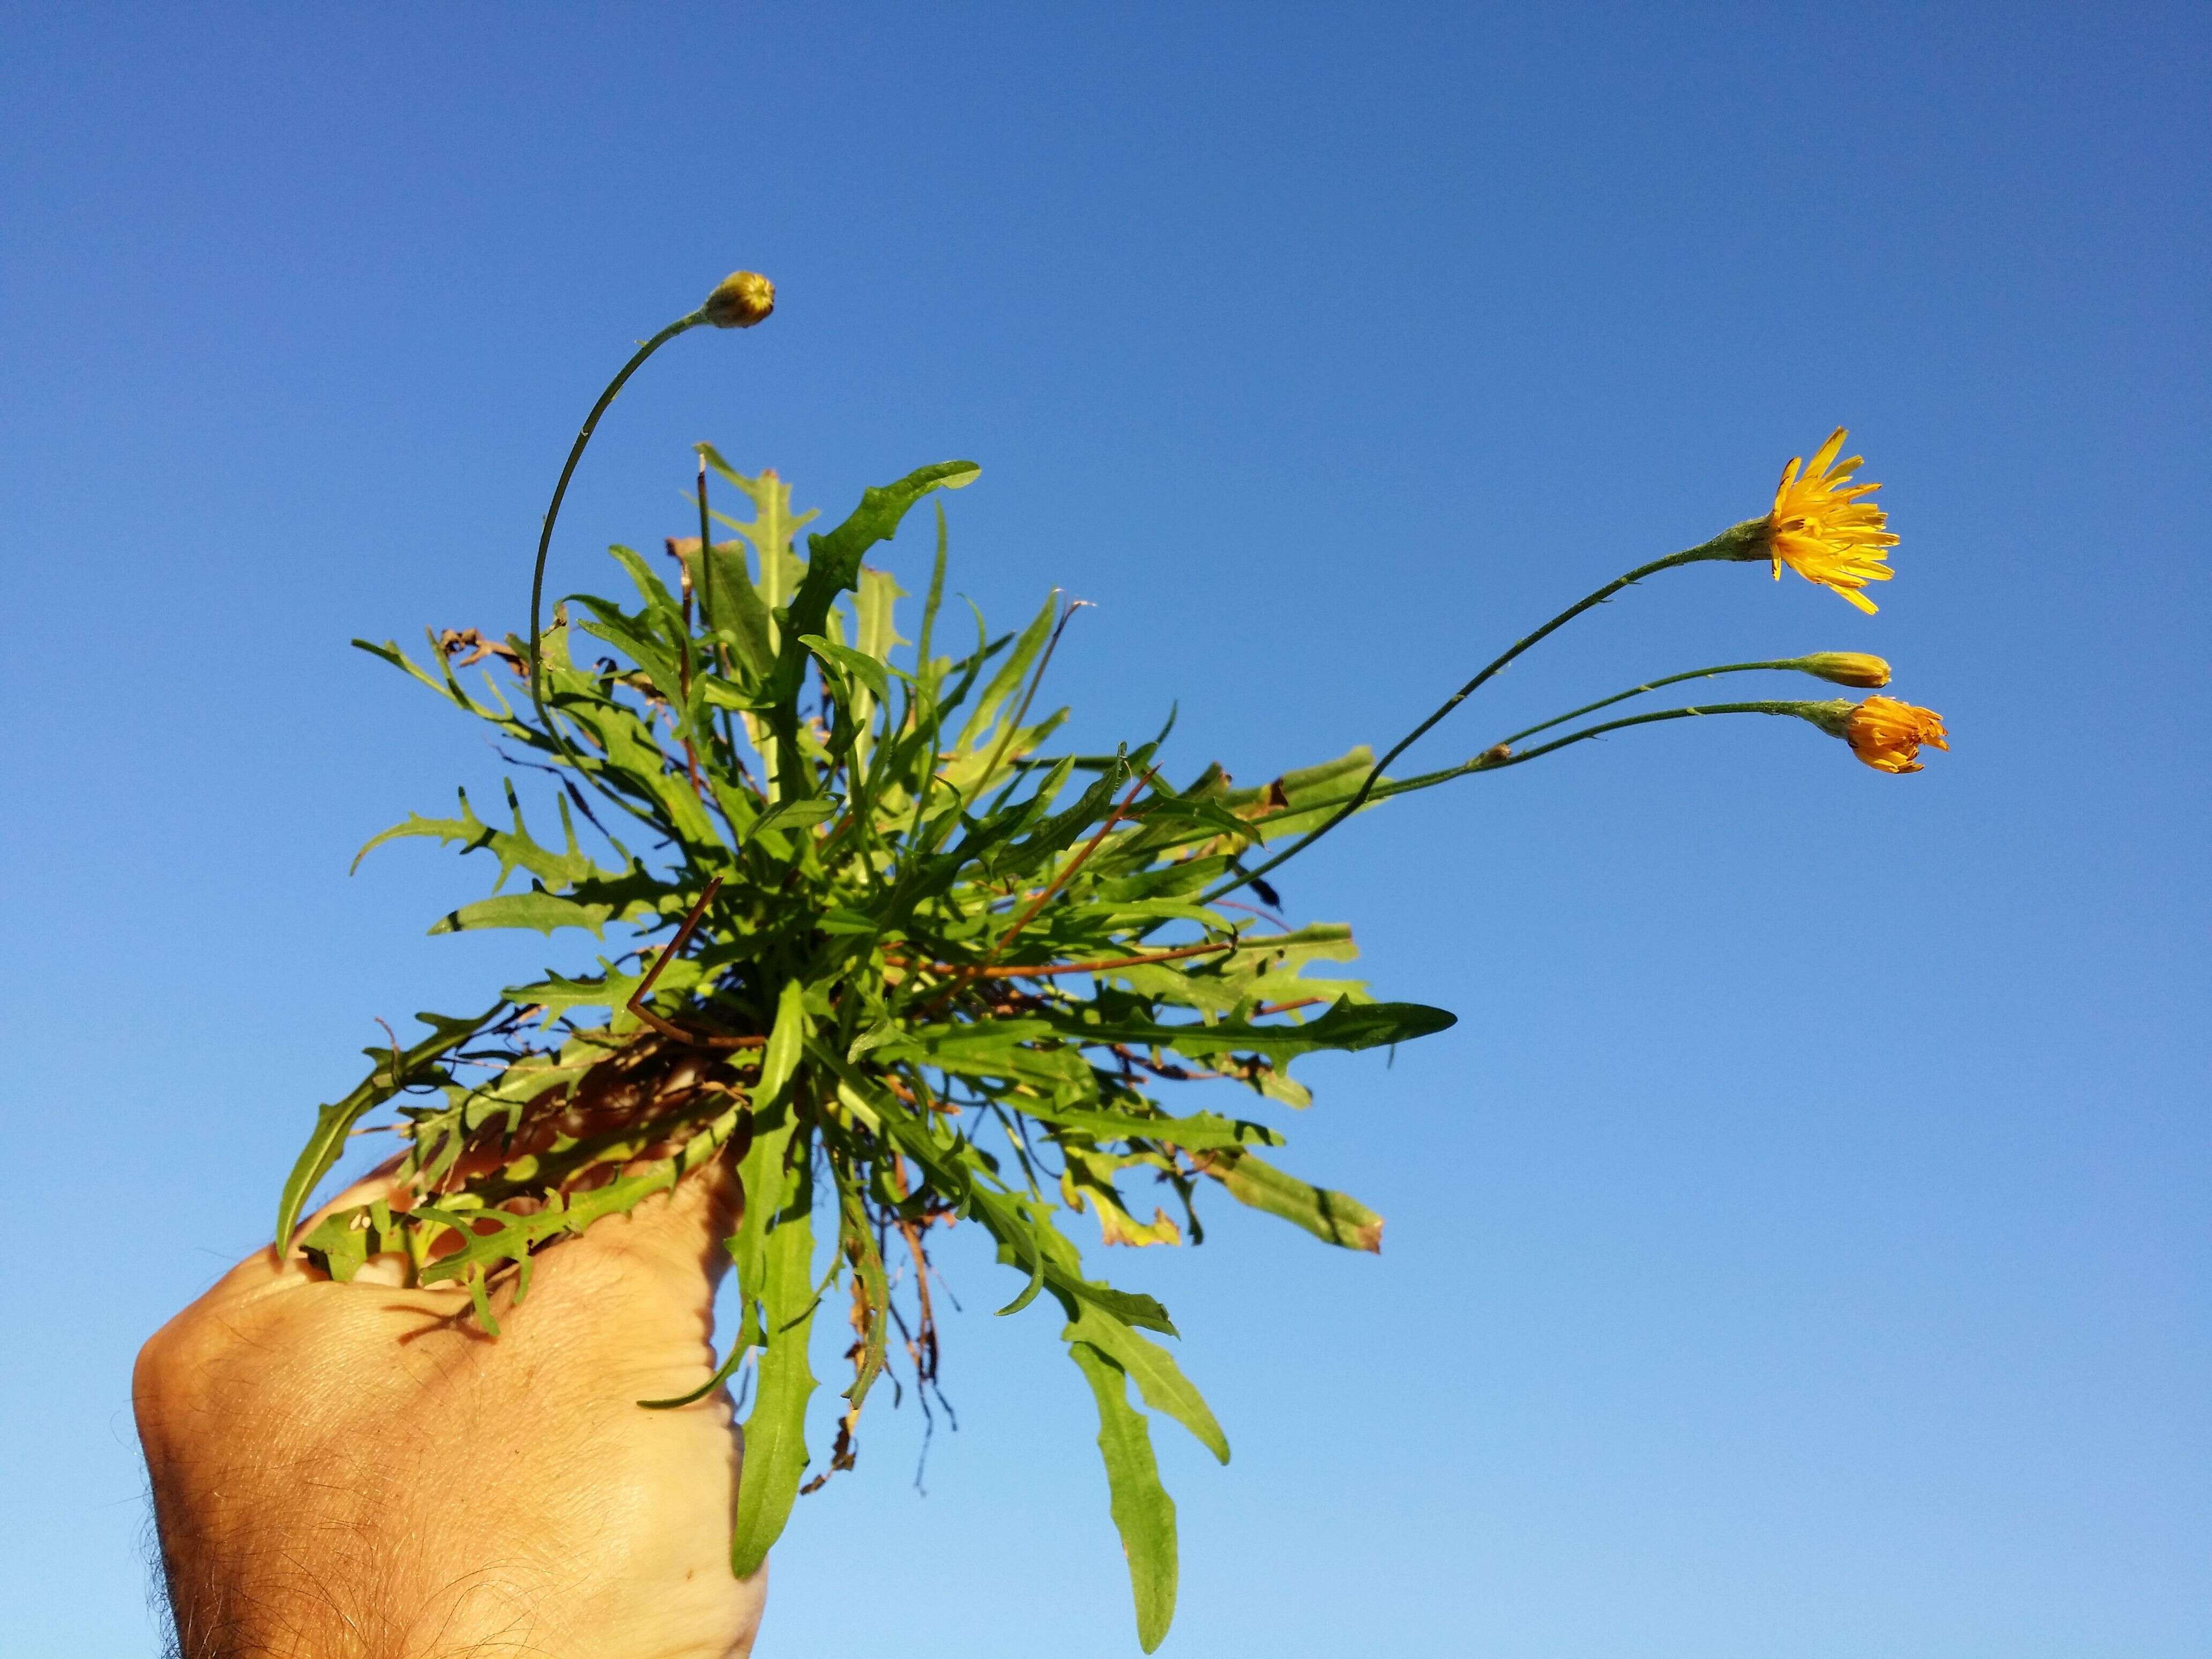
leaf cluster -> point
(896, 960)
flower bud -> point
(1847, 668)
(740, 300)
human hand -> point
(356, 1471)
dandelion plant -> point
(904, 962)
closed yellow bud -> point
(1847, 668)
(740, 300)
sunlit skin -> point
(1823, 528)
(357, 1472)
(1887, 734)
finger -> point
(266, 1269)
(380, 1182)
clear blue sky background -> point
(1798, 1246)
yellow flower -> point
(1887, 734)
(1823, 530)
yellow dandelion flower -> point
(1887, 734)
(1823, 529)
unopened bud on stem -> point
(740, 300)
(1847, 668)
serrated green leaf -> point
(1199, 1132)
(333, 1122)
(833, 567)
(1348, 1026)
(515, 849)
(541, 911)
(772, 531)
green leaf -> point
(731, 604)
(858, 664)
(558, 993)
(540, 910)
(1143, 1512)
(1196, 812)
(342, 1243)
(333, 1122)
(786, 1040)
(765, 1179)
(770, 533)
(515, 849)
(1347, 1026)
(1009, 676)
(857, 1238)
(834, 561)
(775, 1432)
(980, 1050)
(802, 814)
(1336, 1217)
(1158, 1377)
(1200, 1131)
(878, 593)
(723, 1373)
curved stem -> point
(1803, 709)
(1728, 544)
(1781, 663)
(553, 511)
(1815, 714)
(1492, 759)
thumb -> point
(676, 1235)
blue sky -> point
(1799, 1244)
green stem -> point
(1816, 714)
(1782, 663)
(1731, 544)
(553, 513)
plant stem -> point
(553, 511)
(1782, 663)
(1728, 544)
(1491, 761)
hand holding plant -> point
(903, 966)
